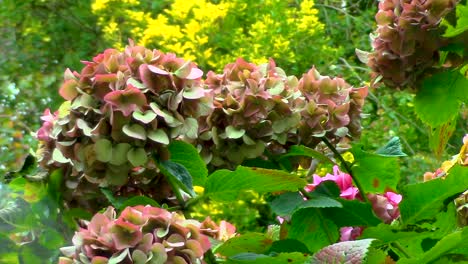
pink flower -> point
(349, 233)
(49, 119)
(386, 206)
(343, 180)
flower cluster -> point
(384, 206)
(141, 234)
(258, 107)
(407, 39)
(124, 107)
(120, 108)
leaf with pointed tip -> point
(177, 174)
(225, 185)
(81, 124)
(194, 92)
(187, 155)
(184, 70)
(392, 149)
(135, 83)
(281, 258)
(139, 200)
(103, 149)
(307, 152)
(137, 156)
(249, 242)
(462, 22)
(135, 131)
(145, 117)
(168, 118)
(158, 136)
(58, 156)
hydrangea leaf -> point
(462, 22)
(177, 175)
(440, 135)
(145, 117)
(232, 132)
(119, 257)
(119, 153)
(284, 204)
(440, 96)
(168, 118)
(158, 136)
(137, 156)
(139, 200)
(187, 155)
(288, 245)
(307, 152)
(376, 173)
(392, 149)
(225, 185)
(281, 258)
(103, 149)
(425, 200)
(189, 128)
(310, 227)
(249, 242)
(352, 252)
(135, 131)
(357, 214)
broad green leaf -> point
(51, 239)
(438, 101)
(462, 22)
(145, 117)
(232, 132)
(425, 200)
(453, 241)
(440, 135)
(376, 173)
(178, 174)
(284, 204)
(116, 202)
(119, 154)
(307, 152)
(318, 201)
(282, 258)
(288, 245)
(135, 131)
(34, 191)
(344, 252)
(71, 216)
(225, 185)
(356, 213)
(137, 156)
(249, 242)
(187, 155)
(139, 200)
(310, 227)
(158, 136)
(103, 149)
(392, 149)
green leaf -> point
(425, 200)
(310, 227)
(178, 174)
(187, 155)
(440, 135)
(139, 200)
(103, 149)
(462, 22)
(438, 101)
(116, 202)
(288, 245)
(455, 240)
(282, 258)
(249, 242)
(54, 185)
(225, 185)
(135, 131)
(344, 252)
(376, 173)
(307, 152)
(58, 156)
(392, 149)
(137, 156)
(51, 239)
(356, 213)
(136, 83)
(71, 216)
(319, 201)
(284, 204)
(119, 154)
(232, 132)
(119, 257)
(145, 117)
(158, 136)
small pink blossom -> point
(349, 233)
(49, 119)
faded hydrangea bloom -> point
(120, 109)
(141, 234)
(407, 39)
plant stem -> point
(209, 257)
(347, 168)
